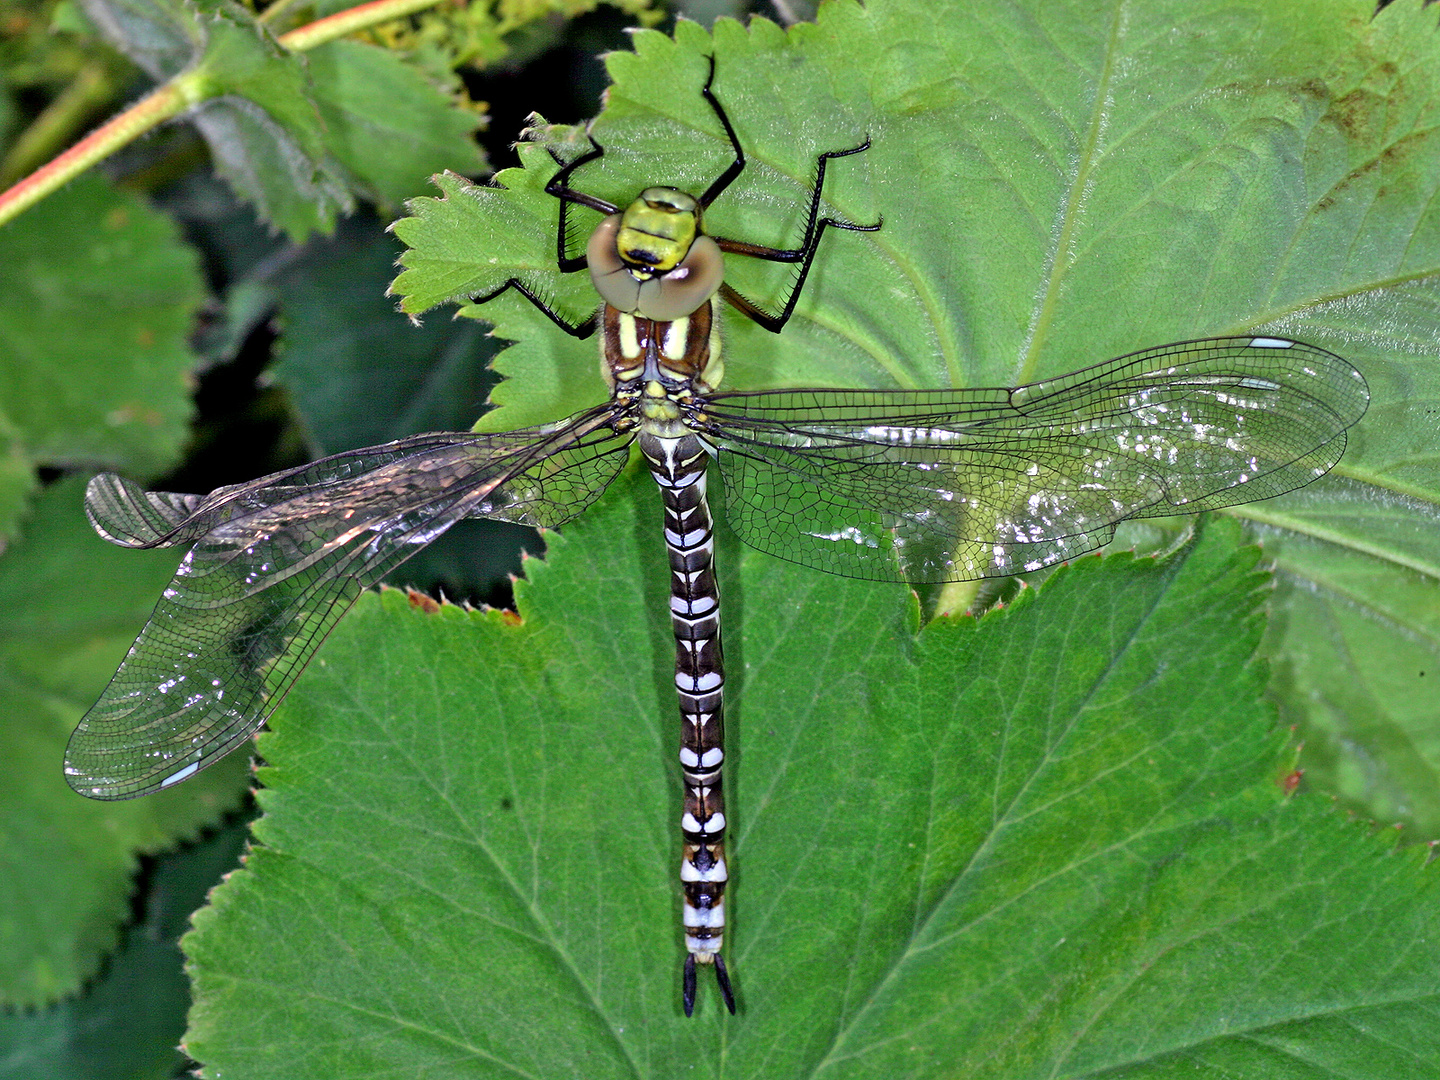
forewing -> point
(276, 562)
(930, 486)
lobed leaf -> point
(1047, 843)
(70, 604)
(297, 135)
(1060, 185)
(97, 295)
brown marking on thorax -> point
(631, 344)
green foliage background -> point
(1051, 841)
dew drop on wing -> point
(851, 533)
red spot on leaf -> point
(422, 601)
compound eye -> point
(674, 295)
(615, 284)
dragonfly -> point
(909, 486)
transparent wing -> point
(934, 486)
(275, 563)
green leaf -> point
(387, 125)
(160, 36)
(358, 376)
(1358, 656)
(129, 1022)
(296, 135)
(265, 132)
(358, 373)
(1047, 843)
(255, 110)
(97, 295)
(70, 605)
(1060, 185)
(17, 479)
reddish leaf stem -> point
(174, 97)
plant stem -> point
(349, 21)
(175, 96)
(166, 101)
(90, 89)
(274, 11)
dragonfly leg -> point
(736, 167)
(582, 329)
(815, 227)
(559, 186)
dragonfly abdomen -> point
(678, 465)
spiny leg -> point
(678, 466)
(815, 227)
(559, 186)
(582, 329)
(736, 167)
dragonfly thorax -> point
(660, 412)
(681, 354)
(652, 259)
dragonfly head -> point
(653, 259)
(657, 229)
